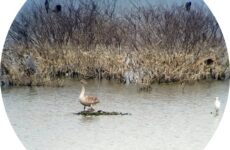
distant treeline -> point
(91, 23)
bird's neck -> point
(82, 92)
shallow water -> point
(167, 118)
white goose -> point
(87, 100)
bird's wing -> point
(91, 99)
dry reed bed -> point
(143, 68)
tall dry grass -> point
(142, 68)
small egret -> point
(87, 100)
(217, 106)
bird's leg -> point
(91, 106)
(217, 112)
(84, 108)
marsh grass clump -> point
(94, 40)
(144, 69)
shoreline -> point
(89, 40)
(142, 68)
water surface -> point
(167, 118)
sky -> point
(160, 2)
(126, 3)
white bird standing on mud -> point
(87, 100)
(217, 106)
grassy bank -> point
(95, 39)
(144, 68)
